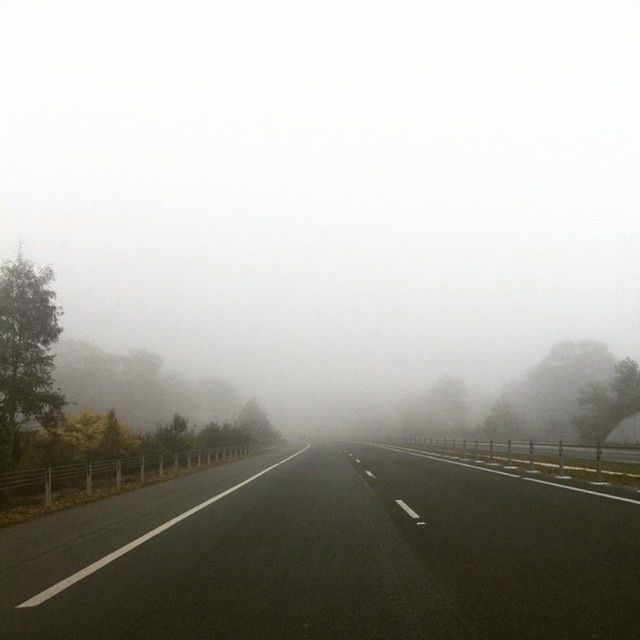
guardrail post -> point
(509, 452)
(47, 485)
(118, 474)
(160, 464)
(89, 478)
(531, 455)
(142, 470)
(560, 459)
(598, 463)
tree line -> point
(578, 391)
(36, 429)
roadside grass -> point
(75, 496)
(613, 473)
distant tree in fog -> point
(138, 388)
(604, 406)
(253, 421)
(442, 407)
(547, 398)
(29, 328)
(502, 422)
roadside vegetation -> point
(38, 430)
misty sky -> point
(328, 201)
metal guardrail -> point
(88, 476)
(529, 452)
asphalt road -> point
(320, 547)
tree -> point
(502, 421)
(174, 436)
(28, 330)
(254, 422)
(442, 407)
(112, 443)
(546, 399)
(604, 406)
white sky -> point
(328, 200)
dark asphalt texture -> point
(316, 548)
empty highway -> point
(331, 540)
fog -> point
(330, 208)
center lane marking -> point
(114, 555)
(407, 509)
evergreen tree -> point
(28, 330)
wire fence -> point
(33, 486)
(599, 460)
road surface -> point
(376, 544)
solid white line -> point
(92, 568)
(369, 474)
(408, 510)
(591, 493)
(511, 475)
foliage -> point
(443, 406)
(604, 406)
(84, 437)
(136, 385)
(28, 330)
(502, 422)
(254, 422)
(547, 398)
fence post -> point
(160, 464)
(89, 478)
(118, 474)
(598, 463)
(47, 485)
(142, 470)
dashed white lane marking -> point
(92, 568)
(351, 455)
(419, 523)
(407, 509)
(357, 460)
(511, 475)
(369, 474)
